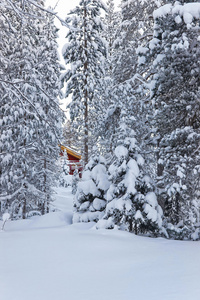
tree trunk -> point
(136, 229)
(160, 169)
(86, 135)
(24, 208)
(177, 208)
(130, 225)
(47, 205)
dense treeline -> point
(133, 78)
(139, 104)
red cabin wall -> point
(70, 157)
(71, 166)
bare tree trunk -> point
(47, 204)
(136, 229)
(130, 225)
(86, 135)
(24, 209)
(177, 207)
(160, 169)
(24, 203)
(45, 189)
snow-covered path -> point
(46, 258)
(63, 199)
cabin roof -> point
(70, 151)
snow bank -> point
(77, 262)
(54, 219)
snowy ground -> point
(47, 258)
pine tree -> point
(107, 119)
(90, 201)
(135, 30)
(50, 130)
(181, 178)
(69, 137)
(128, 90)
(29, 133)
(132, 204)
(175, 93)
(111, 22)
(85, 53)
(16, 140)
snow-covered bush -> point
(90, 201)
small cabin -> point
(73, 159)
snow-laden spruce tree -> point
(48, 69)
(132, 204)
(90, 201)
(181, 178)
(18, 123)
(29, 133)
(106, 120)
(129, 89)
(174, 51)
(135, 29)
(84, 54)
(111, 23)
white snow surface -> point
(48, 258)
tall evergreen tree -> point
(129, 91)
(48, 69)
(175, 93)
(84, 52)
(111, 106)
(134, 30)
(132, 204)
(24, 115)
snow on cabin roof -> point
(70, 151)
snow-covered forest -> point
(133, 79)
(131, 84)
